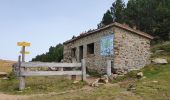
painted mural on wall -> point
(106, 45)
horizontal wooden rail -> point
(50, 73)
(43, 64)
(20, 69)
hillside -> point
(6, 65)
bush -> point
(11, 76)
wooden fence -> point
(20, 70)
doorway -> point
(80, 53)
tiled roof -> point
(122, 26)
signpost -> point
(23, 52)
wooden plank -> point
(43, 64)
(26, 52)
(23, 55)
(21, 78)
(24, 44)
(50, 73)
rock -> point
(121, 71)
(125, 72)
(160, 61)
(140, 75)
(75, 82)
(3, 74)
(155, 81)
(5, 78)
(114, 76)
(159, 51)
(131, 87)
(143, 77)
(95, 83)
(104, 79)
(87, 75)
(121, 75)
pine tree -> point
(107, 18)
(117, 10)
(150, 16)
(55, 54)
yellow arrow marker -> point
(25, 52)
(26, 44)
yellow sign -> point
(26, 44)
(25, 52)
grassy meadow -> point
(5, 66)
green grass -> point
(98, 93)
(156, 84)
(36, 85)
(164, 54)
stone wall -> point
(94, 62)
(131, 51)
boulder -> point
(104, 79)
(99, 81)
(140, 75)
(160, 61)
(159, 51)
(114, 76)
(95, 83)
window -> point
(90, 48)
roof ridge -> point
(116, 24)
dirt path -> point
(13, 97)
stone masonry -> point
(131, 49)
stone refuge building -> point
(127, 48)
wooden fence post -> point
(21, 78)
(109, 72)
(83, 70)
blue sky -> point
(45, 23)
